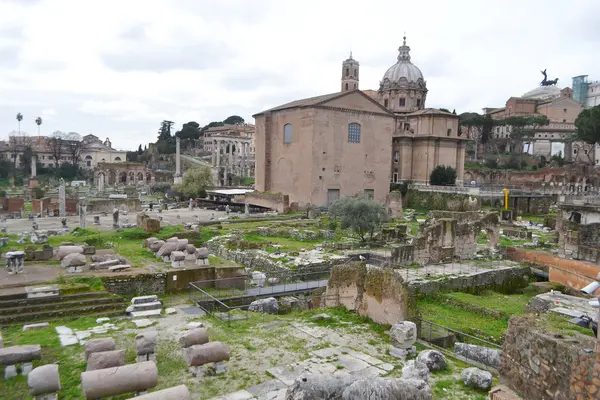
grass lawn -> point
(287, 244)
(456, 318)
(508, 304)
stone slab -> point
(192, 311)
(361, 356)
(239, 395)
(117, 268)
(143, 323)
(144, 299)
(102, 320)
(170, 310)
(573, 313)
(147, 313)
(63, 330)
(194, 325)
(42, 291)
(265, 388)
(41, 325)
(67, 340)
(369, 372)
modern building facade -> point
(586, 92)
(322, 148)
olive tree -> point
(361, 214)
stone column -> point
(177, 161)
(213, 148)
(82, 216)
(61, 199)
(460, 163)
(218, 164)
(230, 155)
(33, 167)
(244, 159)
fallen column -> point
(198, 356)
(105, 359)
(145, 345)
(44, 382)
(180, 392)
(98, 345)
(11, 356)
(194, 337)
(119, 380)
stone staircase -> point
(19, 310)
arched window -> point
(117, 158)
(355, 86)
(347, 71)
(287, 133)
(346, 86)
(353, 133)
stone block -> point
(148, 242)
(202, 261)
(98, 345)
(190, 249)
(63, 251)
(20, 354)
(180, 392)
(146, 313)
(44, 379)
(73, 260)
(40, 325)
(153, 225)
(194, 337)
(42, 291)
(105, 359)
(177, 256)
(268, 305)
(403, 335)
(167, 249)
(154, 247)
(145, 342)
(130, 378)
(118, 268)
(202, 253)
(89, 250)
(182, 244)
(201, 354)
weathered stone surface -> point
(386, 389)
(20, 354)
(414, 369)
(190, 249)
(320, 317)
(309, 387)
(434, 360)
(145, 342)
(194, 337)
(1, 341)
(201, 354)
(403, 335)
(40, 325)
(268, 305)
(167, 249)
(149, 241)
(105, 359)
(119, 380)
(481, 354)
(89, 250)
(154, 247)
(117, 268)
(177, 256)
(476, 378)
(43, 380)
(182, 244)
(180, 392)
(202, 253)
(73, 260)
(63, 251)
(173, 239)
(98, 345)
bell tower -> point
(350, 69)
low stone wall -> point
(571, 273)
(506, 280)
(543, 365)
(275, 201)
(142, 284)
(517, 233)
(178, 280)
(442, 201)
(108, 205)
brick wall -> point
(275, 201)
(40, 206)
(544, 365)
(572, 273)
(14, 204)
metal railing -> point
(468, 348)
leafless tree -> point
(56, 144)
(16, 146)
(74, 147)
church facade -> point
(319, 149)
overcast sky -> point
(117, 68)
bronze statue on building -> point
(547, 82)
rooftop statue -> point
(546, 82)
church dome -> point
(404, 72)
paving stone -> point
(386, 367)
(361, 356)
(170, 311)
(63, 330)
(10, 371)
(99, 330)
(146, 313)
(82, 335)
(194, 325)
(275, 395)
(262, 390)
(102, 320)
(67, 340)
(327, 352)
(41, 325)
(350, 363)
(239, 395)
(192, 311)
(369, 372)
(143, 323)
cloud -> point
(118, 74)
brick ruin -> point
(540, 363)
(578, 226)
(447, 236)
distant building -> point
(585, 92)
(92, 151)
(559, 106)
(323, 148)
